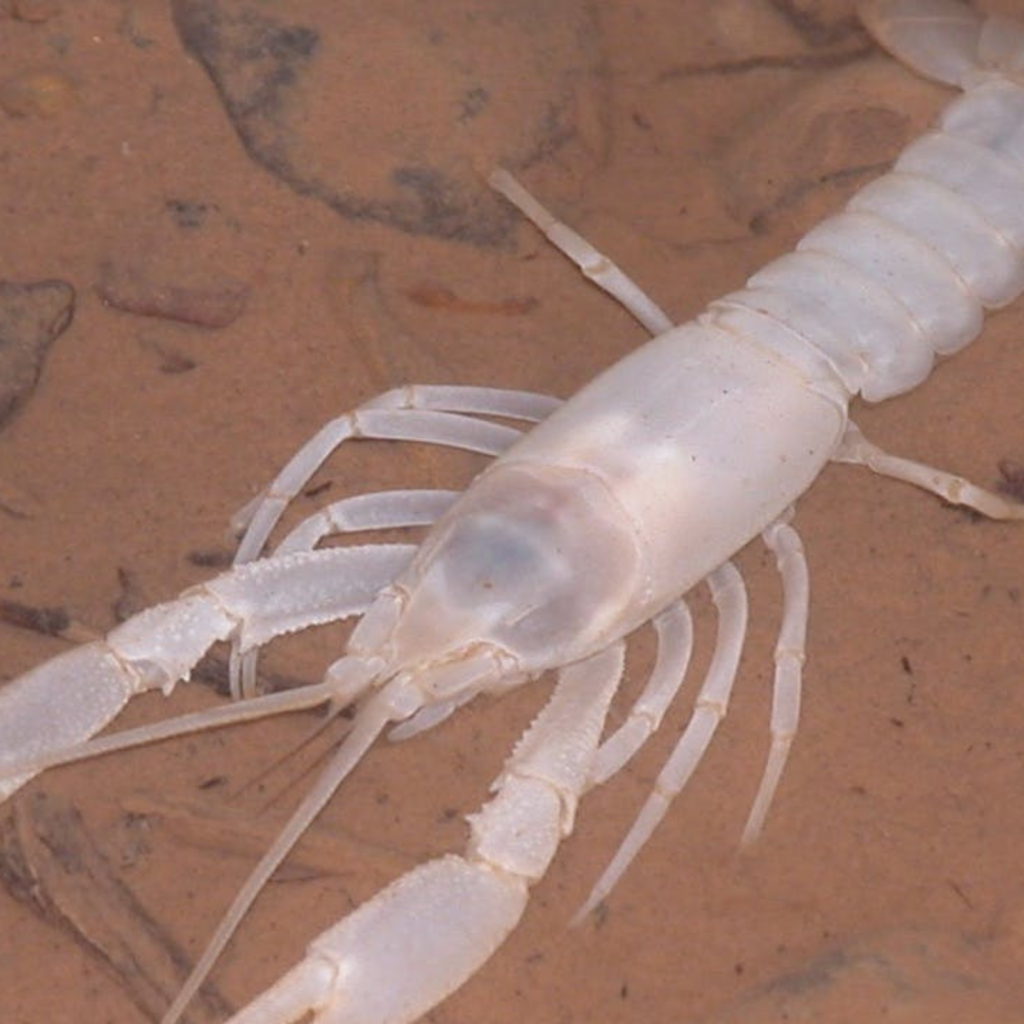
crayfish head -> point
(531, 569)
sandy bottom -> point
(283, 218)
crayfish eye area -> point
(535, 560)
(498, 555)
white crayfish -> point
(593, 523)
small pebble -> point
(136, 288)
(37, 94)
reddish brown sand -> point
(693, 142)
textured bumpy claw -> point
(65, 701)
(48, 713)
(379, 964)
(29, 726)
(424, 935)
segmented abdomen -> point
(906, 270)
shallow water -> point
(692, 143)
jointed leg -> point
(594, 265)
(857, 449)
(782, 540)
(428, 414)
(675, 644)
(730, 597)
(379, 510)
